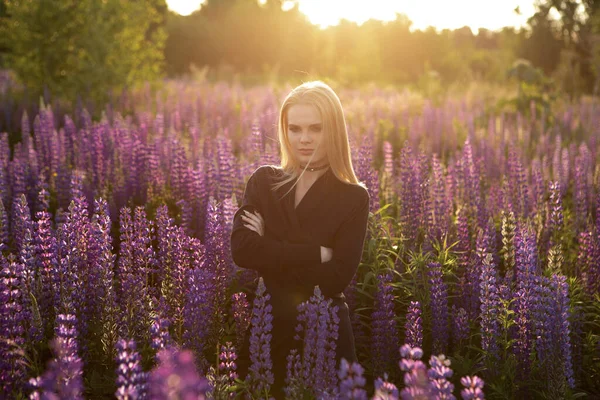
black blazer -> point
(331, 214)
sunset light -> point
(440, 14)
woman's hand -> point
(326, 254)
(255, 223)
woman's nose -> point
(305, 137)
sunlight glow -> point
(441, 14)
(184, 7)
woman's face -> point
(305, 132)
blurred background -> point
(92, 50)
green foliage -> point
(85, 47)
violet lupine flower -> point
(12, 330)
(260, 376)
(439, 308)
(131, 379)
(199, 310)
(555, 211)
(242, 313)
(489, 301)
(527, 268)
(385, 390)
(4, 236)
(352, 381)
(131, 291)
(415, 374)
(21, 221)
(318, 324)
(176, 377)
(563, 327)
(186, 216)
(218, 254)
(227, 365)
(63, 378)
(384, 333)
(414, 325)
(460, 325)
(441, 211)
(439, 373)
(76, 287)
(226, 166)
(159, 333)
(583, 164)
(473, 388)
(103, 261)
(509, 227)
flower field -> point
(480, 274)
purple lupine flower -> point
(441, 205)
(131, 379)
(409, 210)
(199, 309)
(439, 374)
(508, 232)
(439, 308)
(21, 221)
(4, 236)
(131, 291)
(176, 377)
(27, 260)
(415, 374)
(260, 376)
(227, 365)
(583, 165)
(414, 325)
(218, 254)
(555, 214)
(172, 245)
(186, 216)
(76, 289)
(63, 378)
(562, 327)
(12, 330)
(384, 333)
(352, 381)
(226, 166)
(473, 388)
(318, 325)
(517, 181)
(527, 268)
(242, 313)
(159, 333)
(385, 390)
(460, 325)
(103, 261)
(489, 300)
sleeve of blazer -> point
(252, 251)
(335, 275)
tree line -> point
(82, 47)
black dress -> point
(332, 214)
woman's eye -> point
(316, 129)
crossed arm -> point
(330, 268)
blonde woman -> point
(303, 223)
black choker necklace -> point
(313, 169)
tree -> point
(83, 47)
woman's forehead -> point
(303, 114)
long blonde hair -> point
(326, 101)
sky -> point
(489, 14)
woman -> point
(303, 223)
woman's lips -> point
(306, 151)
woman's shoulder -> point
(267, 172)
